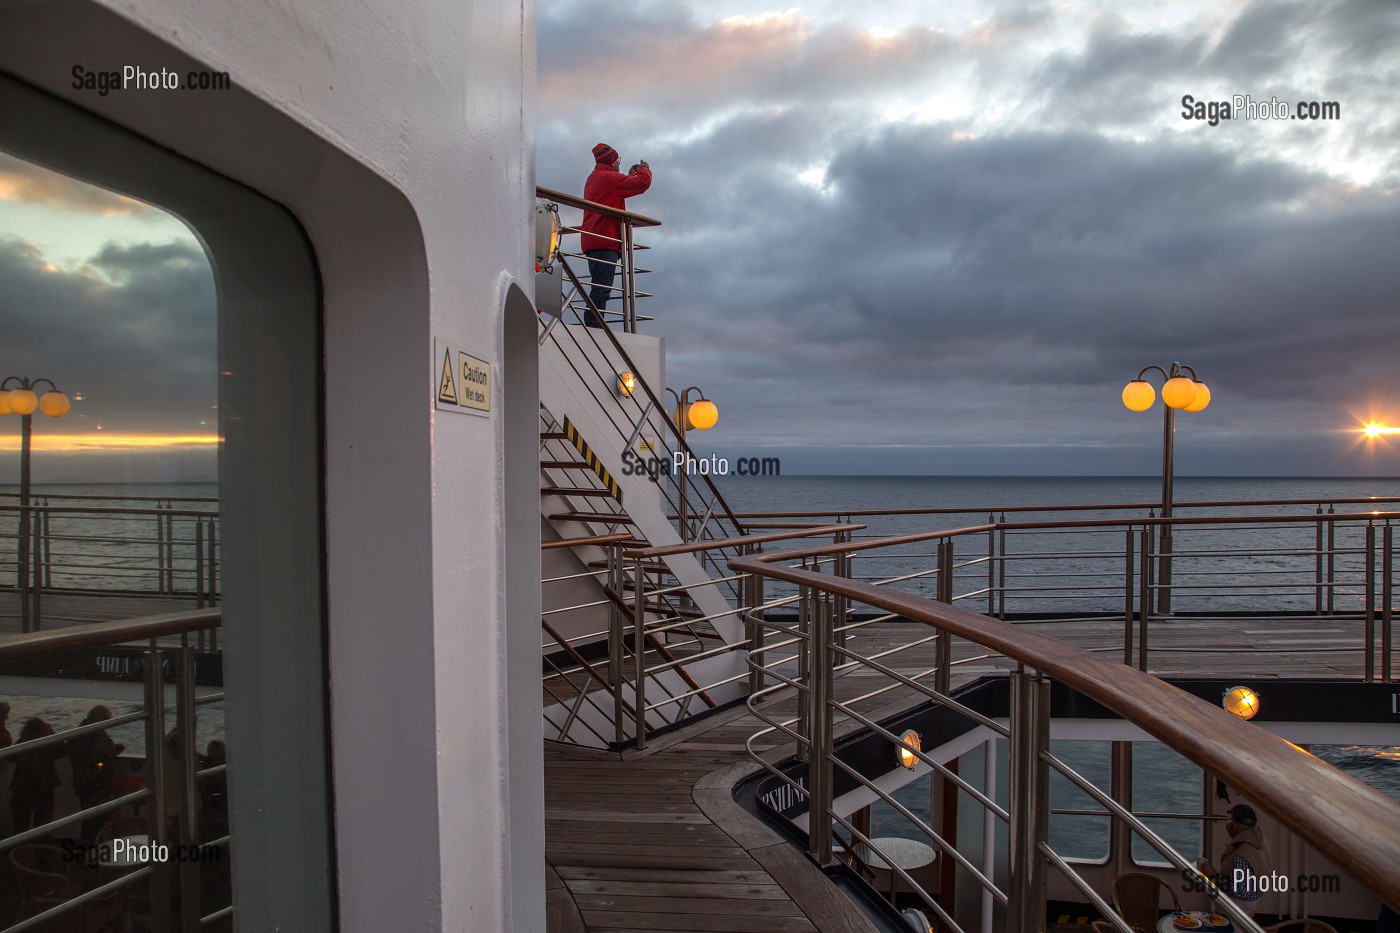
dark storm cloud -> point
(132, 330)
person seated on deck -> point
(1243, 862)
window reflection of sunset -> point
(105, 441)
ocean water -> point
(1166, 781)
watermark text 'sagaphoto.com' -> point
(1244, 107)
(136, 78)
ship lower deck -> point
(654, 840)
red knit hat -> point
(605, 154)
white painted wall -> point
(401, 136)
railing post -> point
(1331, 561)
(1387, 599)
(991, 564)
(629, 303)
(639, 655)
(155, 781)
(1317, 569)
(1128, 598)
(842, 603)
(1030, 733)
(615, 636)
(753, 621)
(1001, 568)
(819, 772)
(943, 647)
(805, 611)
(189, 791)
(199, 569)
(1144, 595)
(36, 586)
(1370, 658)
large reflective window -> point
(159, 468)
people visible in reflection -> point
(35, 777)
(6, 740)
(1243, 862)
(601, 241)
(213, 795)
(94, 760)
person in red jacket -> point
(601, 241)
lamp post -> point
(1178, 392)
(21, 399)
(700, 415)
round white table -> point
(906, 854)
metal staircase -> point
(615, 626)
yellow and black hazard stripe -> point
(591, 458)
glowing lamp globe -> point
(23, 401)
(907, 758)
(626, 383)
(5, 408)
(702, 415)
(1202, 398)
(55, 404)
(1179, 392)
(1139, 395)
(1241, 701)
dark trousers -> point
(602, 267)
(30, 808)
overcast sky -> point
(940, 238)
(898, 237)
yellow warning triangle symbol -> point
(447, 387)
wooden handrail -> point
(1351, 823)
(98, 634)
(636, 220)
(594, 539)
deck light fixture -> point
(1179, 392)
(547, 232)
(699, 415)
(911, 743)
(22, 400)
(626, 383)
(1241, 701)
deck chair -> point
(42, 881)
(1138, 895)
(1301, 926)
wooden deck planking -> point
(619, 828)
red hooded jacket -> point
(606, 185)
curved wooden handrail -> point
(592, 539)
(1355, 826)
(98, 634)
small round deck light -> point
(5, 408)
(626, 384)
(55, 404)
(1202, 398)
(1241, 701)
(23, 401)
(1139, 395)
(1179, 392)
(907, 758)
(701, 415)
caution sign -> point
(463, 382)
(592, 460)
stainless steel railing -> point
(159, 879)
(806, 699)
(84, 546)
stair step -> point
(563, 465)
(607, 518)
(566, 491)
(681, 611)
(553, 436)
